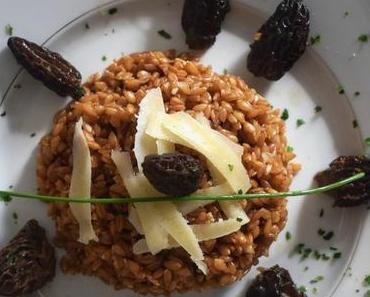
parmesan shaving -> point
(203, 232)
(164, 147)
(183, 129)
(133, 218)
(138, 186)
(145, 145)
(81, 185)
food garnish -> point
(164, 34)
(49, 67)
(81, 184)
(274, 282)
(27, 263)
(352, 194)
(175, 174)
(281, 40)
(201, 21)
(9, 30)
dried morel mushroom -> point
(355, 193)
(201, 21)
(49, 67)
(281, 40)
(27, 262)
(173, 173)
(274, 282)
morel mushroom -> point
(27, 263)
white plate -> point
(337, 60)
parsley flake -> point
(33, 134)
(345, 14)
(367, 280)
(354, 123)
(112, 10)
(340, 90)
(337, 255)
(321, 214)
(300, 122)
(87, 26)
(318, 108)
(367, 141)
(288, 236)
(285, 114)
(239, 220)
(3, 114)
(317, 279)
(315, 39)
(240, 192)
(104, 58)
(289, 149)
(164, 34)
(357, 93)
(363, 38)
(231, 167)
(9, 30)
(302, 289)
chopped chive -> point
(316, 255)
(321, 232)
(15, 216)
(357, 93)
(289, 149)
(337, 255)
(333, 248)
(231, 167)
(345, 14)
(354, 123)
(314, 290)
(328, 235)
(367, 141)
(112, 10)
(302, 289)
(367, 294)
(318, 108)
(305, 268)
(240, 192)
(17, 86)
(87, 26)
(300, 122)
(288, 236)
(325, 257)
(239, 220)
(9, 30)
(321, 214)
(306, 253)
(3, 114)
(357, 290)
(164, 34)
(225, 71)
(317, 279)
(340, 90)
(285, 114)
(104, 58)
(363, 38)
(367, 280)
(10, 187)
(315, 39)
(33, 134)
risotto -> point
(109, 109)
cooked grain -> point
(108, 110)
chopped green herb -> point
(10, 187)
(345, 14)
(318, 108)
(363, 38)
(367, 280)
(316, 255)
(340, 90)
(357, 290)
(33, 134)
(333, 248)
(3, 114)
(225, 71)
(15, 216)
(302, 289)
(328, 235)
(9, 29)
(367, 294)
(231, 167)
(321, 214)
(112, 10)
(325, 257)
(288, 236)
(104, 58)
(337, 255)
(357, 93)
(367, 141)
(300, 122)
(306, 253)
(87, 26)
(315, 39)
(321, 232)
(289, 149)
(305, 268)
(17, 86)
(314, 290)
(240, 192)
(6, 198)
(285, 115)
(317, 279)
(354, 123)
(239, 219)
(164, 34)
